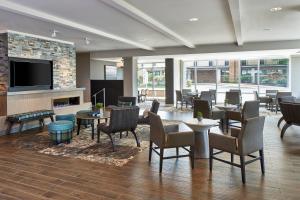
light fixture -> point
(54, 33)
(194, 19)
(87, 41)
(267, 29)
(275, 9)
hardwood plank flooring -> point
(26, 174)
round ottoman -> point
(69, 117)
(61, 131)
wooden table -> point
(87, 116)
(200, 129)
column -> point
(172, 73)
(83, 74)
(294, 75)
(130, 76)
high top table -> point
(200, 129)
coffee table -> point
(87, 116)
(200, 129)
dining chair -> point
(279, 95)
(242, 142)
(233, 97)
(249, 110)
(287, 99)
(172, 136)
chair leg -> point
(136, 139)
(21, 127)
(242, 158)
(177, 151)
(98, 135)
(161, 158)
(150, 150)
(121, 135)
(286, 126)
(279, 121)
(192, 156)
(112, 141)
(211, 151)
(231, 157)
(262, 161)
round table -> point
(87, 116)
(227, 107)
(200, 129)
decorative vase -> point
(199, 119)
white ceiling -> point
(148, 24)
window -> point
(151, 76)
(246, 75)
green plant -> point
(99, 105)
(199, 114)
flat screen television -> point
(30, 74)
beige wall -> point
(83, 74)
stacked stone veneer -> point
(3, 64)
(63, 56)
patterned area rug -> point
(84, 148)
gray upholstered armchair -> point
(242, 142)
(233, 97)
(154, 109)
(250, 110)
(121, 119)
(172, 136)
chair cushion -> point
(234, 115)
(179, 139)
(69, 117)
(30, 115)
(223, 142)
(124, 103)
(103, 127)
(143, 120)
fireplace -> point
(64, 102)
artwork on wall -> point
(113, 72)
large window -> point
(151, 76)
(246, 75)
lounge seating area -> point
(148, 100)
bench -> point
(28, 116)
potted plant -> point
(99, 107)
(199, 116)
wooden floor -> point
(25, 174)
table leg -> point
(93, 130)
(201, 144)
(78, 126)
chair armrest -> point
(234, 132)
(223, 142)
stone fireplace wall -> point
(63, 56)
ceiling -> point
(151, 24)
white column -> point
(130, 76)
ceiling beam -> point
(23, 10)
(139, 15)
(235, 11)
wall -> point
(130, 76)
(62, 54)
(97, 69)
(83, 74)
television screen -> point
(30, 73)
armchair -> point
(173, 136)
(154, 109)
(250, 110)
(121, 119)
(247, 140)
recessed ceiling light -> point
(276, 9)
(87, 41)
(54, 33)
(194, 19)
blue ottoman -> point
(69, 117)
(61, 131)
